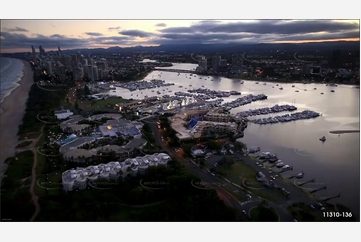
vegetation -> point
(168, 133)
(244, 175)
(15, 197)
(24, 144)
(127, 200)
(39, 101)
(262, 213)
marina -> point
(142, 85)
(307, 114)
(302, 140)
(241, 101)
(214, 93)
(261, 111)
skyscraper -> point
(49, 68)
(216, 61)
(202, 63)
(33, 51)
(60, 70)
(41, 51)
(95, 73)
(59, 52)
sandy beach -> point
(13, 108)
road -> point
(223, 188)
(297, 195)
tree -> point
(76, 106)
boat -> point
(256, 82)
(296, 91)
(264, 83)
(277, 85)
(332, 90)
(305, 90)
(315, 88)
(280, 164)
(180, 86)
(293, 85)
(323, 139)
(281, 88)
(158, 92)
(300, 175)
(321, 92)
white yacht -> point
(300, 175)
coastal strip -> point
(344, 131)
(13, 108)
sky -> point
(19, 35)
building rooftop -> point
(61, 111)
(103, 170)
(75, 144)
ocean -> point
(11, 72)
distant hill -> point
(235, 47)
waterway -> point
(334, 163)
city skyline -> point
(20, 35)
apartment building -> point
(81, 178)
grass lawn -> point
(91, 104)
(41, 164)
(32, 135)
(24, 144)
(51, 181)
(41, 141)
(240, 171)
(21, 165)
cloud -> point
(201, 32)
(265, 27)
(16, 29)
(113, 28)
(136, 33)
(161, 25)
(258, 31)
(19, 41)
(93, 33)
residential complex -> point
(81, 178)
(198, 123)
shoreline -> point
(344, 131)
(13, 108)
